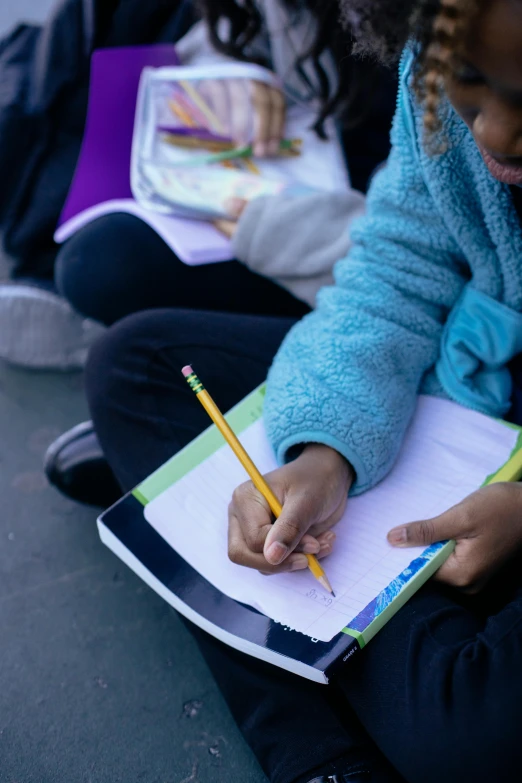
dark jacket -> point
(44, 79)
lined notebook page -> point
(448, 453)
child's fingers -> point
(261, 104)
(309, 545)
(227, 227)
(324, 551)
(235, 206)
(239, 553)
(252, 512)
(255, 518)
(269, 119)
(298, 515)
(277, 121)
(239, 110)
(451, 524)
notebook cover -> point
(244, 628)
(320, 660)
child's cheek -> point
(465, 99)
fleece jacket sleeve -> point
(348, 374)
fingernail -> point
(330, 536)
(398, 536)
(276, 552)
(312, 547)
(260, 149)
(273, 147)
(298, 563)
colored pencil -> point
(199, 132)
(256, 477)
(193, 143)
(286, 150)
(251, 166)
(199, 138)
(202, 105)
(183, 100)
(179, 112)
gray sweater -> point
(294, 238)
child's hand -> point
(251, 112)
(235, 207)
(487, 527)
(313, 490)
(226, 227)
(269, 119)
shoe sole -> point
(57, 445)
(39, 330)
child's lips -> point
(508, 173)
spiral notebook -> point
(172, 531)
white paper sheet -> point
(447, 454)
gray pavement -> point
(99, 681)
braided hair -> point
(350, 98)
(436, 28)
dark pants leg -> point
(117, 265)
(144, 412)
(438, 690)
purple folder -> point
(101, 182)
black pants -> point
(117, 265)
(438, 691)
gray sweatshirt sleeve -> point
(295, 239)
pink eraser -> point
(187, 371)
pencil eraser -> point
(187, 371)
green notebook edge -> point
(433, 565)
(241, 416)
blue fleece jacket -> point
(428, 300)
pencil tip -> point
(323, 581)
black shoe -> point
(76, 466)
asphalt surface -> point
(99, 680)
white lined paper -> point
(448, 453)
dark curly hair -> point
(358, 76)
(436, 28)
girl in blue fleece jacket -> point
(429, 300)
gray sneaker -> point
(40, 330)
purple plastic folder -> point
(101, 182)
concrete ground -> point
(99, 681)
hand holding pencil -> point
(294, 494)
(232, 118)
(313, 490)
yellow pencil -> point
(256, 477)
